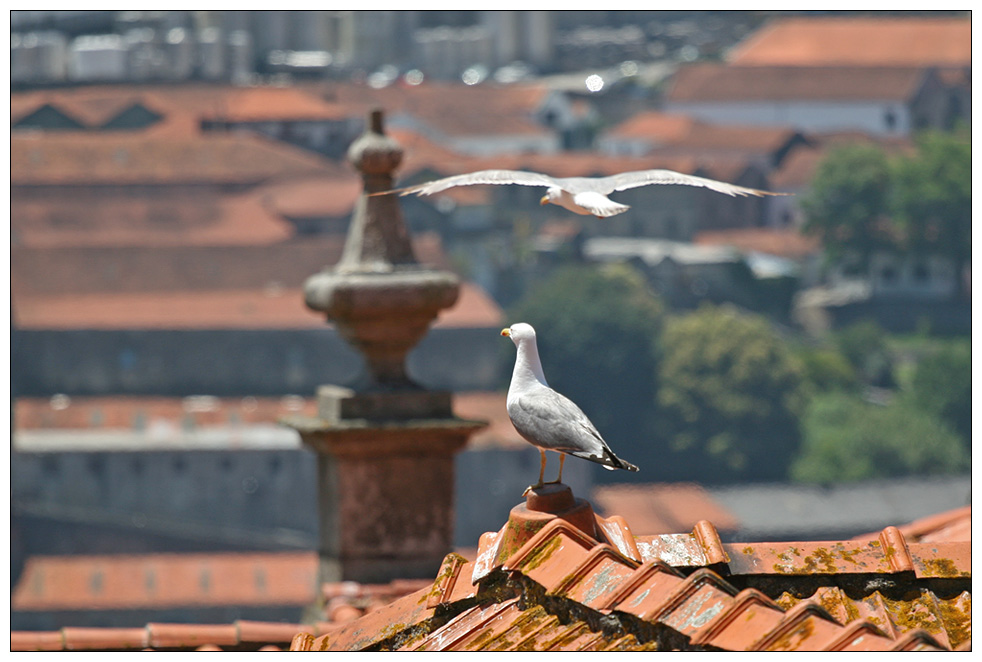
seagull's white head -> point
(519, 332)
(552, 195)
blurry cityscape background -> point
(177, 175)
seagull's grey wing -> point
(627, 180)
(552, 421)
(520, 177)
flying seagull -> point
(581, 195)
(546, 419)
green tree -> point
(846, 439)
(730, 396)
(942, 385)
(849, 200)
(864, 344)
(932, 198)
(597, 329)
(827, 369)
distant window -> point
(921, 272)
(890, 120)
(888, 274)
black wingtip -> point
(618, 463)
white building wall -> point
(819, 116)
(98, 57)
(492, 145)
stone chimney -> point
(386, 446)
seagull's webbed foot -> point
(533, 487)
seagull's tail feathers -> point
(609, 461)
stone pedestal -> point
(385, 447)
(386, 486)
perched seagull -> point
(546, 419)
(581, 195)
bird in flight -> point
(581, 195)
(546, 419)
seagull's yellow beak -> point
(544, 200)
(506, 333)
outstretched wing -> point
(520, 177)
(628, 180)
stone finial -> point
(377, 238)
(380, 299)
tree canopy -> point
(846, 439)
(863, 200)
(730, 396)
(942, 385)
(849, 201)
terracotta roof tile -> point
(564, 573)
(314, 196)
(859, 40)
(263, 104)
(551, 579)
(447, 108)
(118, 159)
(949, 526)
(239, 636)
(685, 133)
(711, 82)
(70, 219)
(175, 268)
(272, 307)
(162, 580)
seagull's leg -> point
(542, 471)
(562, 459)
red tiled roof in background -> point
(139, 268)
(785, 243)
(272, 307)
(685, 132)
(272, 104)
(656, 126)
(859, 41)
(70, 583)
(949, 526)
(450, 109)
(199, 218)
(713, 82)
(237, 636)
(663, 507)
(119, 159)
(313, 196)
